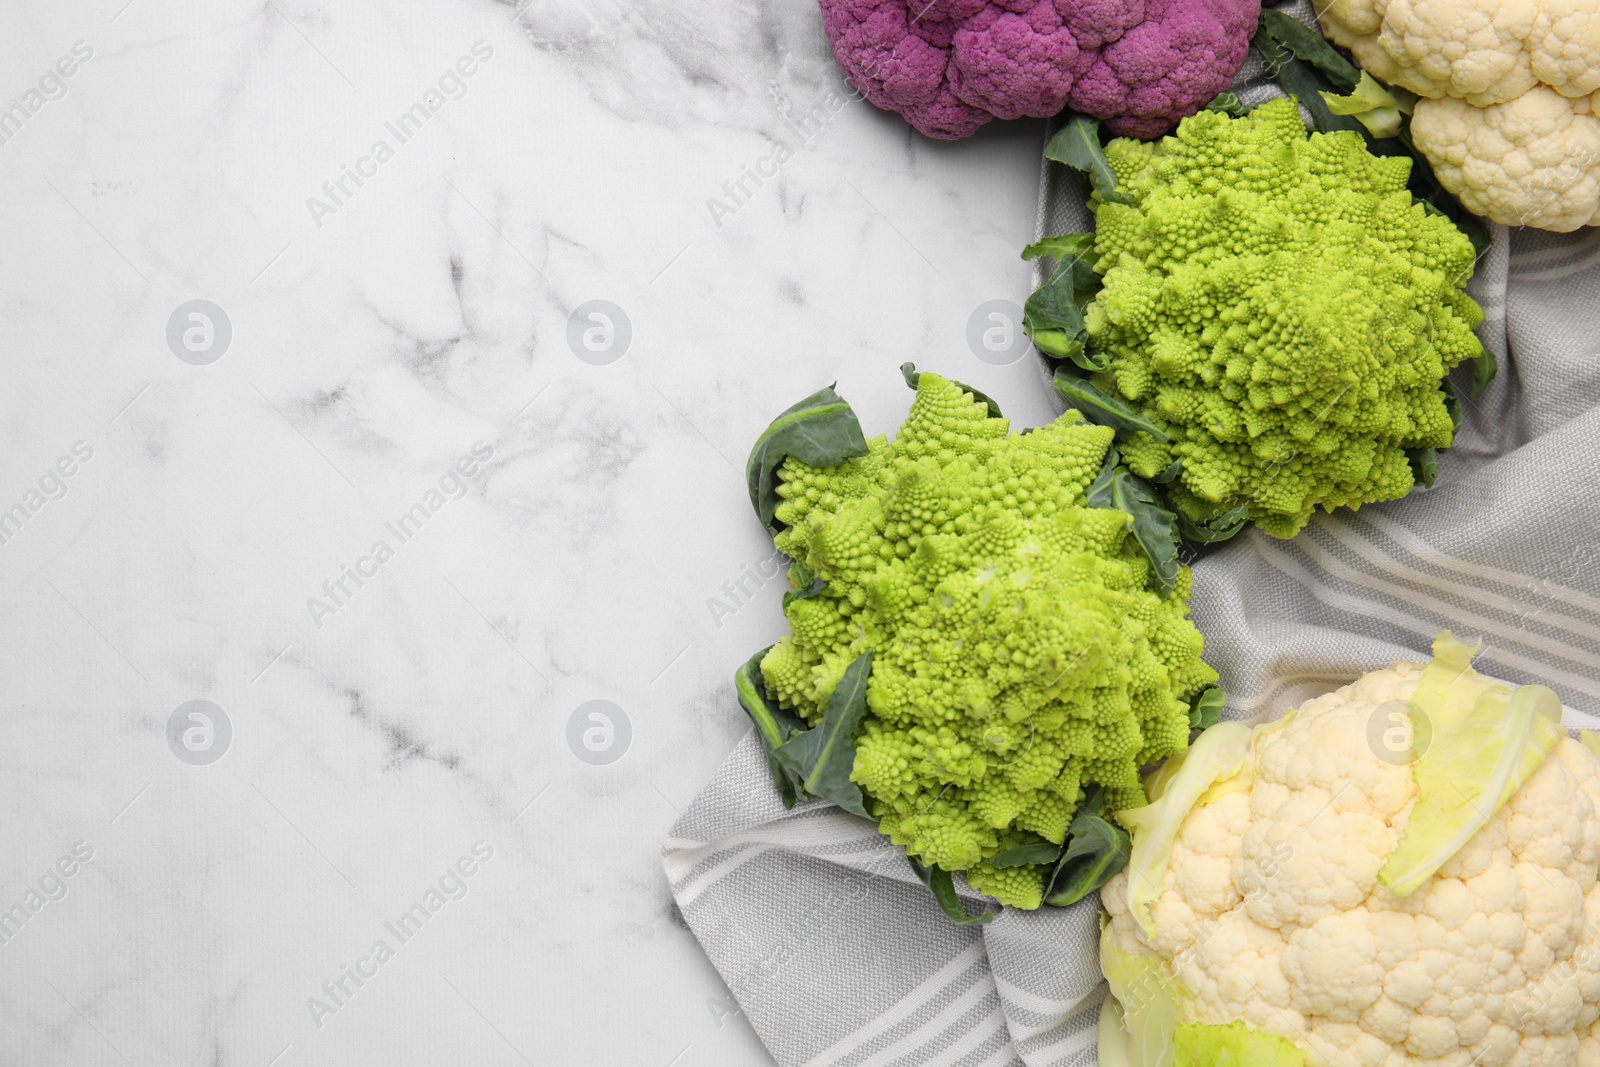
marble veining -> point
(384, 332)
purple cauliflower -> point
(949, 66)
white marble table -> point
(196, 504)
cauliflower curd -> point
(1273, 911)
(949, 66)
(1511, 115)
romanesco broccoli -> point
(1282, 309)
(1019, 650)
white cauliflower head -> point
(1509, 116)
(1274, 908)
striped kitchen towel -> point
(838, 955)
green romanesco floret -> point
(1018, 887)
(1281, 307)
(1020, 650)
